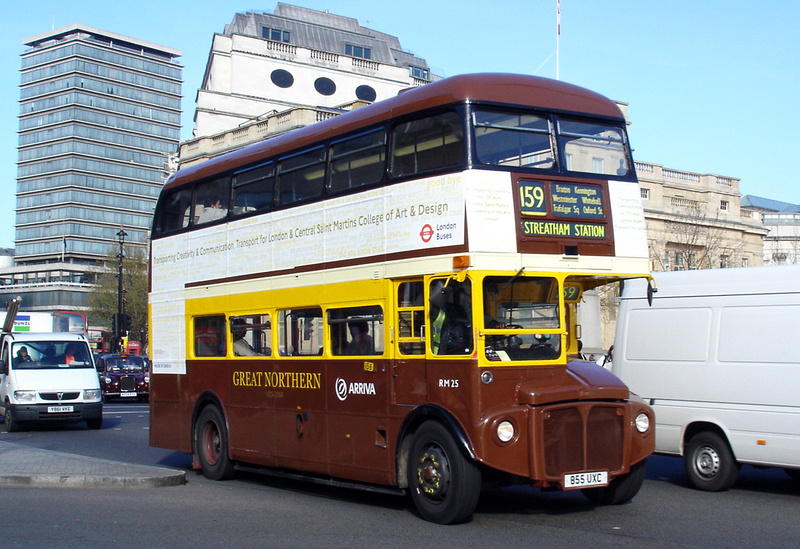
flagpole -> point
(558, 37)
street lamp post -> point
(120, 291)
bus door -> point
(357, 386)
(295, 382)
(409, 386)
(450, 344)
(436, 339)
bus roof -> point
(499, 88)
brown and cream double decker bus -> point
(388, 298)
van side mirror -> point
(650, 291)
(3, 367)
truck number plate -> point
(127, 394)
(586, 480)
(58, 409)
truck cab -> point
(48, 377)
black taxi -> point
(124, 376)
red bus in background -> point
(99, 341)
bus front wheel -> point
(444, 484)
(709, 462)
(211, 440)
(621, 489)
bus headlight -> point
(642, 422)
(505, 431)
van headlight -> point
(642, 422)
(92, 394)
(25, 396)
(505, 431)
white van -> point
(48, 377)
(716, 356)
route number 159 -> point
(531, 198)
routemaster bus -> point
(388, 298)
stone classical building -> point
(696, 221)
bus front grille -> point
(587, 437)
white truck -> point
(715, 355)
(36, 321)
(47, 377)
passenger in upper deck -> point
(215, 210)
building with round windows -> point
(295, 58)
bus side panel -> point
(250, 411)
(409, 381)
(299, 429)
(170, 414)
(358, 399)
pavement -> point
(22, 465)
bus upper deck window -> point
(301, 176)
(358, 161)
(174, 211)
(254, 189)
(513, 139)
(211, 201)
(427, 144)
(593, 148)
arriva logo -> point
(343, 389)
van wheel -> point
(621, 489)
(12, 425)
(445, 485)
(211, 440)
(709, 462)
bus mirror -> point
(441, 293)
(650, 291)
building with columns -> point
(696, 221)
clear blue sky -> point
(713, 86)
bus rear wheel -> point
(709, 462)
(211, 444)
(444, 484)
